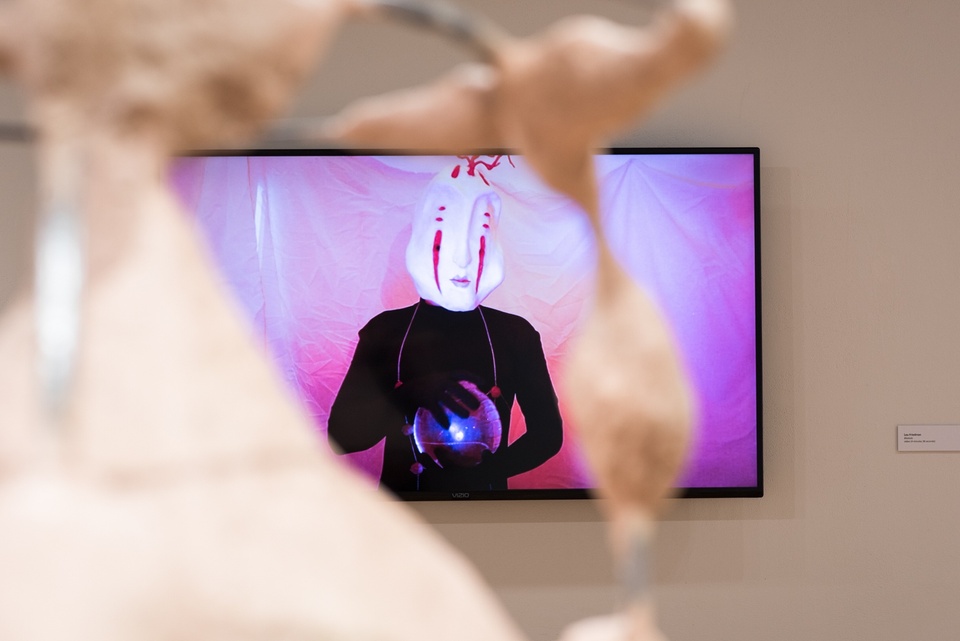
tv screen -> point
(421, 307)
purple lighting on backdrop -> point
(313, 247)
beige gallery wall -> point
(854, 107)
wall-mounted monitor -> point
(421, 307)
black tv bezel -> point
(753, 491)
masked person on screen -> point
(437, 380)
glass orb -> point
(465, 441)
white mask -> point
(454, 255)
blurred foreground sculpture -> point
(159, 483)
(557, 98)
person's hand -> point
(438, 393)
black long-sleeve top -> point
(369, 408)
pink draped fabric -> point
(313, 247)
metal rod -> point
(60, 275)
(17, 132)
(448, 20)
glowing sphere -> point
(465, 441)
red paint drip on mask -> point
(436, 256)
(483, 251)
(455, 172)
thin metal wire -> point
(635, 570)
(404, 341)
(60, 278)
(480, 35)
(445, 19)
(493, 356)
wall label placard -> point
(928, 438)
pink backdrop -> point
(313, 248)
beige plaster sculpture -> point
(180, 493)
(556, 98)
(171, 488)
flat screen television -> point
(336, 255)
